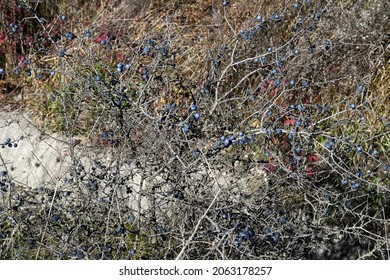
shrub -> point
(210, 130)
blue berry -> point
(278, 131)
(194, 107)
(361, 88)
(164, 52)
(117, 103)
(359, 149)
(344, 181)
(276, 236)
(186, 128)
(132, 218)
(227, 143)
(386, 167)
(146, 51)
(1, 71)
(55, 218)
(374, 152)
(352, 106)
(329, 144)
(359, 174)
(52, 73)
(70, 36)
(197, 152)
(63, 17)
(31, 243)
(88, 33)
(306, 84)
(292, 83)
(298, 150)
(197, 116)
(355, 185)
(241, 134)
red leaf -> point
(312, 158)
(101, 38)
(20, 57)
(269, 168)
(292, 167)
(120, 57)
(289, 121)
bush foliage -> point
(210, 129)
